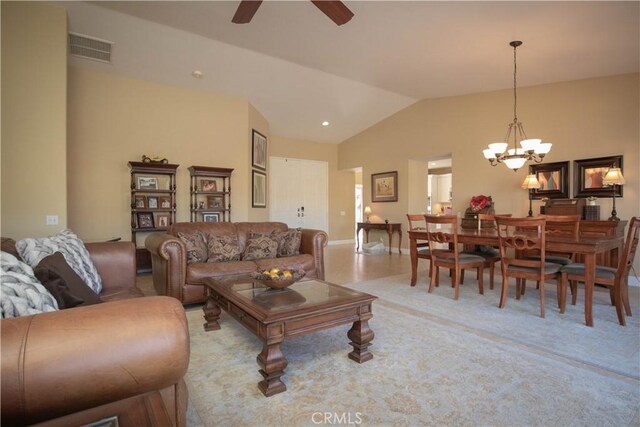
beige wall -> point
(259, 123)
(584, 119)
(114, 119)
(341, 183)
(34, 110)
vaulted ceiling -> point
(298, 68)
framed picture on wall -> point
(259, 149)
(384, 187)
(259, 198)
(588, 175)
(553, 179)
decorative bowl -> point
(278, 280)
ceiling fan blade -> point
(335, 10)
(246, 10)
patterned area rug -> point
(436, 362)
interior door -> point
(298, 192)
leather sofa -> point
(124, 358)
(172, 275)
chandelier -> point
(529, 150)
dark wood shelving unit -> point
(210, 194)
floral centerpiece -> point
(479, 202)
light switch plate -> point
(52, 219)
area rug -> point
(436, 362)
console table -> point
(390, 228)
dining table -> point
(588, 246)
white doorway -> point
(299, 192)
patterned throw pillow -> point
(289, 242)
(32, 251)
(223, 248)
(20, 292)
(260, 246)
(196, 244)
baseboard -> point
(341, 242)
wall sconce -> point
(367, 212)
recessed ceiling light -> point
(325, 123)
(197, 74)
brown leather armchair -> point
(124, 358)
(172, 275)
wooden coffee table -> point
(273, 315)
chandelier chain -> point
(515, 93)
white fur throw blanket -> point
(75, 253)
(20, 292)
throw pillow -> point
(63, 283)
(223, 248)
(260, 246)
(20, 292)
(289, 242)
(196, 245)
(75, 253)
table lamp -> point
(530, 183)
(614, 177)
(367, 212)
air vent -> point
(90, 47)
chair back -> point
(521, 235)
(564, 225)
(416, 222)
(443, 230)
(630, 248)
(490, 217)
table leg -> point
(390, 233)
(273, 363)
(413, 254)
(589, 276)
(360, 335)
(358, 239)
(211, 314)
(399, 241)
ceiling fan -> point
(335, 10)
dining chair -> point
(490, 254)
(443, 230)
(558, 225)
(616, 279)
(518, 235)
(417, 223)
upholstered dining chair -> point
(519, 235)
(417, 223)
(616, 279)
(490, 254)
(559, 225)
(443, 231)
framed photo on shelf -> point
(145, 220)
(141, 202)
(259, 157)
(588, 175)
(147, 183)
(384, 187)
(165, 202)
(215, 202)
(152, 202)
(208, 185)
(259, 197)
(211, 217)
(553, 179)
(164, 220)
